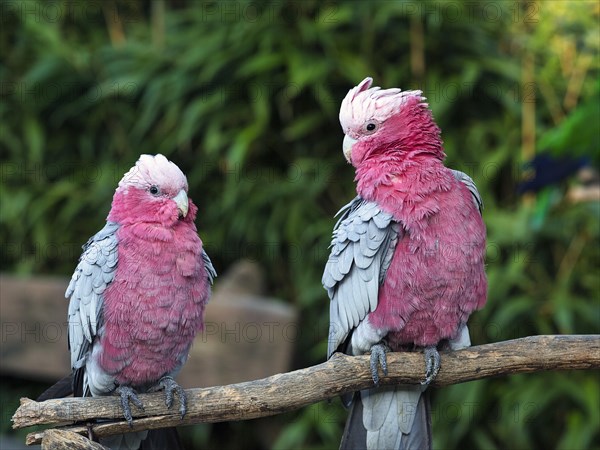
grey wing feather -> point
(362, 247)
(210, 270)
(468, 181)
(95, 271)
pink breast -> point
(436, 278)
(155, 305)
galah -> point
(406, 267)
(138, 294)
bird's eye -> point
(154, 190)
(370, 127)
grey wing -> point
(210, 270)
(95, 271)
(468, 181)
(362, 247)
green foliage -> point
(243, 96)
(575, 135)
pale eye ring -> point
(370, 127)
(154, 190)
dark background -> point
(244, 97)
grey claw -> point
(170, 386)
(378, 358)
(128, 395)
(432, 364)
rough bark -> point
(67, 440)
(289, 391)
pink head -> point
(153, 191)
(391, 123)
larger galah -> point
(407, 258)
(138, 294)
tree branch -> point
(293, 390)
(67, 440)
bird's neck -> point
(407, 188)
(129, 208)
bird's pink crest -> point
(363, 103)
(154, 170)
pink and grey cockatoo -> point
(138, 294)
(406, 267)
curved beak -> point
(181, 199)
(347, 146)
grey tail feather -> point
(420, 436)
(355, 433)
(354, 436)
(161, 439)
(126, 441)
(62, 388)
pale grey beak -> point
(182, 202)
(347, 146)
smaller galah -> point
(138, 294)
(406, 267)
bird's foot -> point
(432, 364)
(127, 395)
(171, 387)
(378, 358)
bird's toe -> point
(171, 387)
(378, 359)
(128, 395)
(432, 364)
